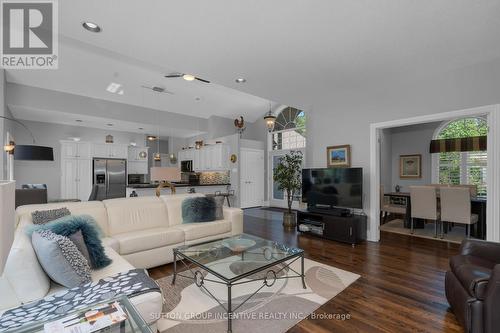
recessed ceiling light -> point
(197, 98)
(140, 128)
(241, 80)
(113, 87)
(109, 124)
(151, 137)
(79, 121)
(91, 26)
(188, 77)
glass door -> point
(277, 197)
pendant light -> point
(157, 156)
(270, 119)
(171, 155)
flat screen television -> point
(334, 187)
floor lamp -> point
(7, 222)
(25, 152)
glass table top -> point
(235, 257)
(134, 323)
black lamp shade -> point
(33, 153)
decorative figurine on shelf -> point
(109, 139)
(198, 144)
(398, 188)
(240, 125)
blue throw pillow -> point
(60, 259)
(68, 225)
(199, 209)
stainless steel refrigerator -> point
(110, 177)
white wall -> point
(410, 140)
(344, 117)
(386, 160)
(47, 134)
(3, 122)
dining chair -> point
(424, 205)
(387, 207)
(456, 207)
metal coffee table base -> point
(268, 281)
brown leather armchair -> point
(473, 286)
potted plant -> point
(287, 174)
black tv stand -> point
(334, 211)
(331, 224)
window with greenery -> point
(464, 167)
(289, 130)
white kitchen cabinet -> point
(220, 157)
(71, 149)
(137, 161)
(109, 150)
(84, 183)
(69, 171)
(118, 151)
(186, 155)
(76, 170)
(207, 158)
(100, 150)
(138, 154)
(181, 156)
(137, 168)
(196, 161)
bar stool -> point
(226, 195)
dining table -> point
(478, 206)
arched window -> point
(463, 167)
(289, 130)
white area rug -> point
(272, 310)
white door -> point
(84, 179)
(252, 178)
(69, 188)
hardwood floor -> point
(401, 288)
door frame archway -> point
(492, 113)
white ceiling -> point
(288, 50)
(64, 118)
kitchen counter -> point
(139, 186)
(144, 190)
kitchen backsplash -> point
(214, 177)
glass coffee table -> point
(266, 256)
(134, 323)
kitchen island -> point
(150, 189)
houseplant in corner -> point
(287, 174)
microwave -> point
(187, 166)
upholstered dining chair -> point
(386, 207)
(456, 207)
(424, 205)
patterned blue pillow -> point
(199, 209)
(68, 225)
(60, 259)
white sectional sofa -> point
(138, 232)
